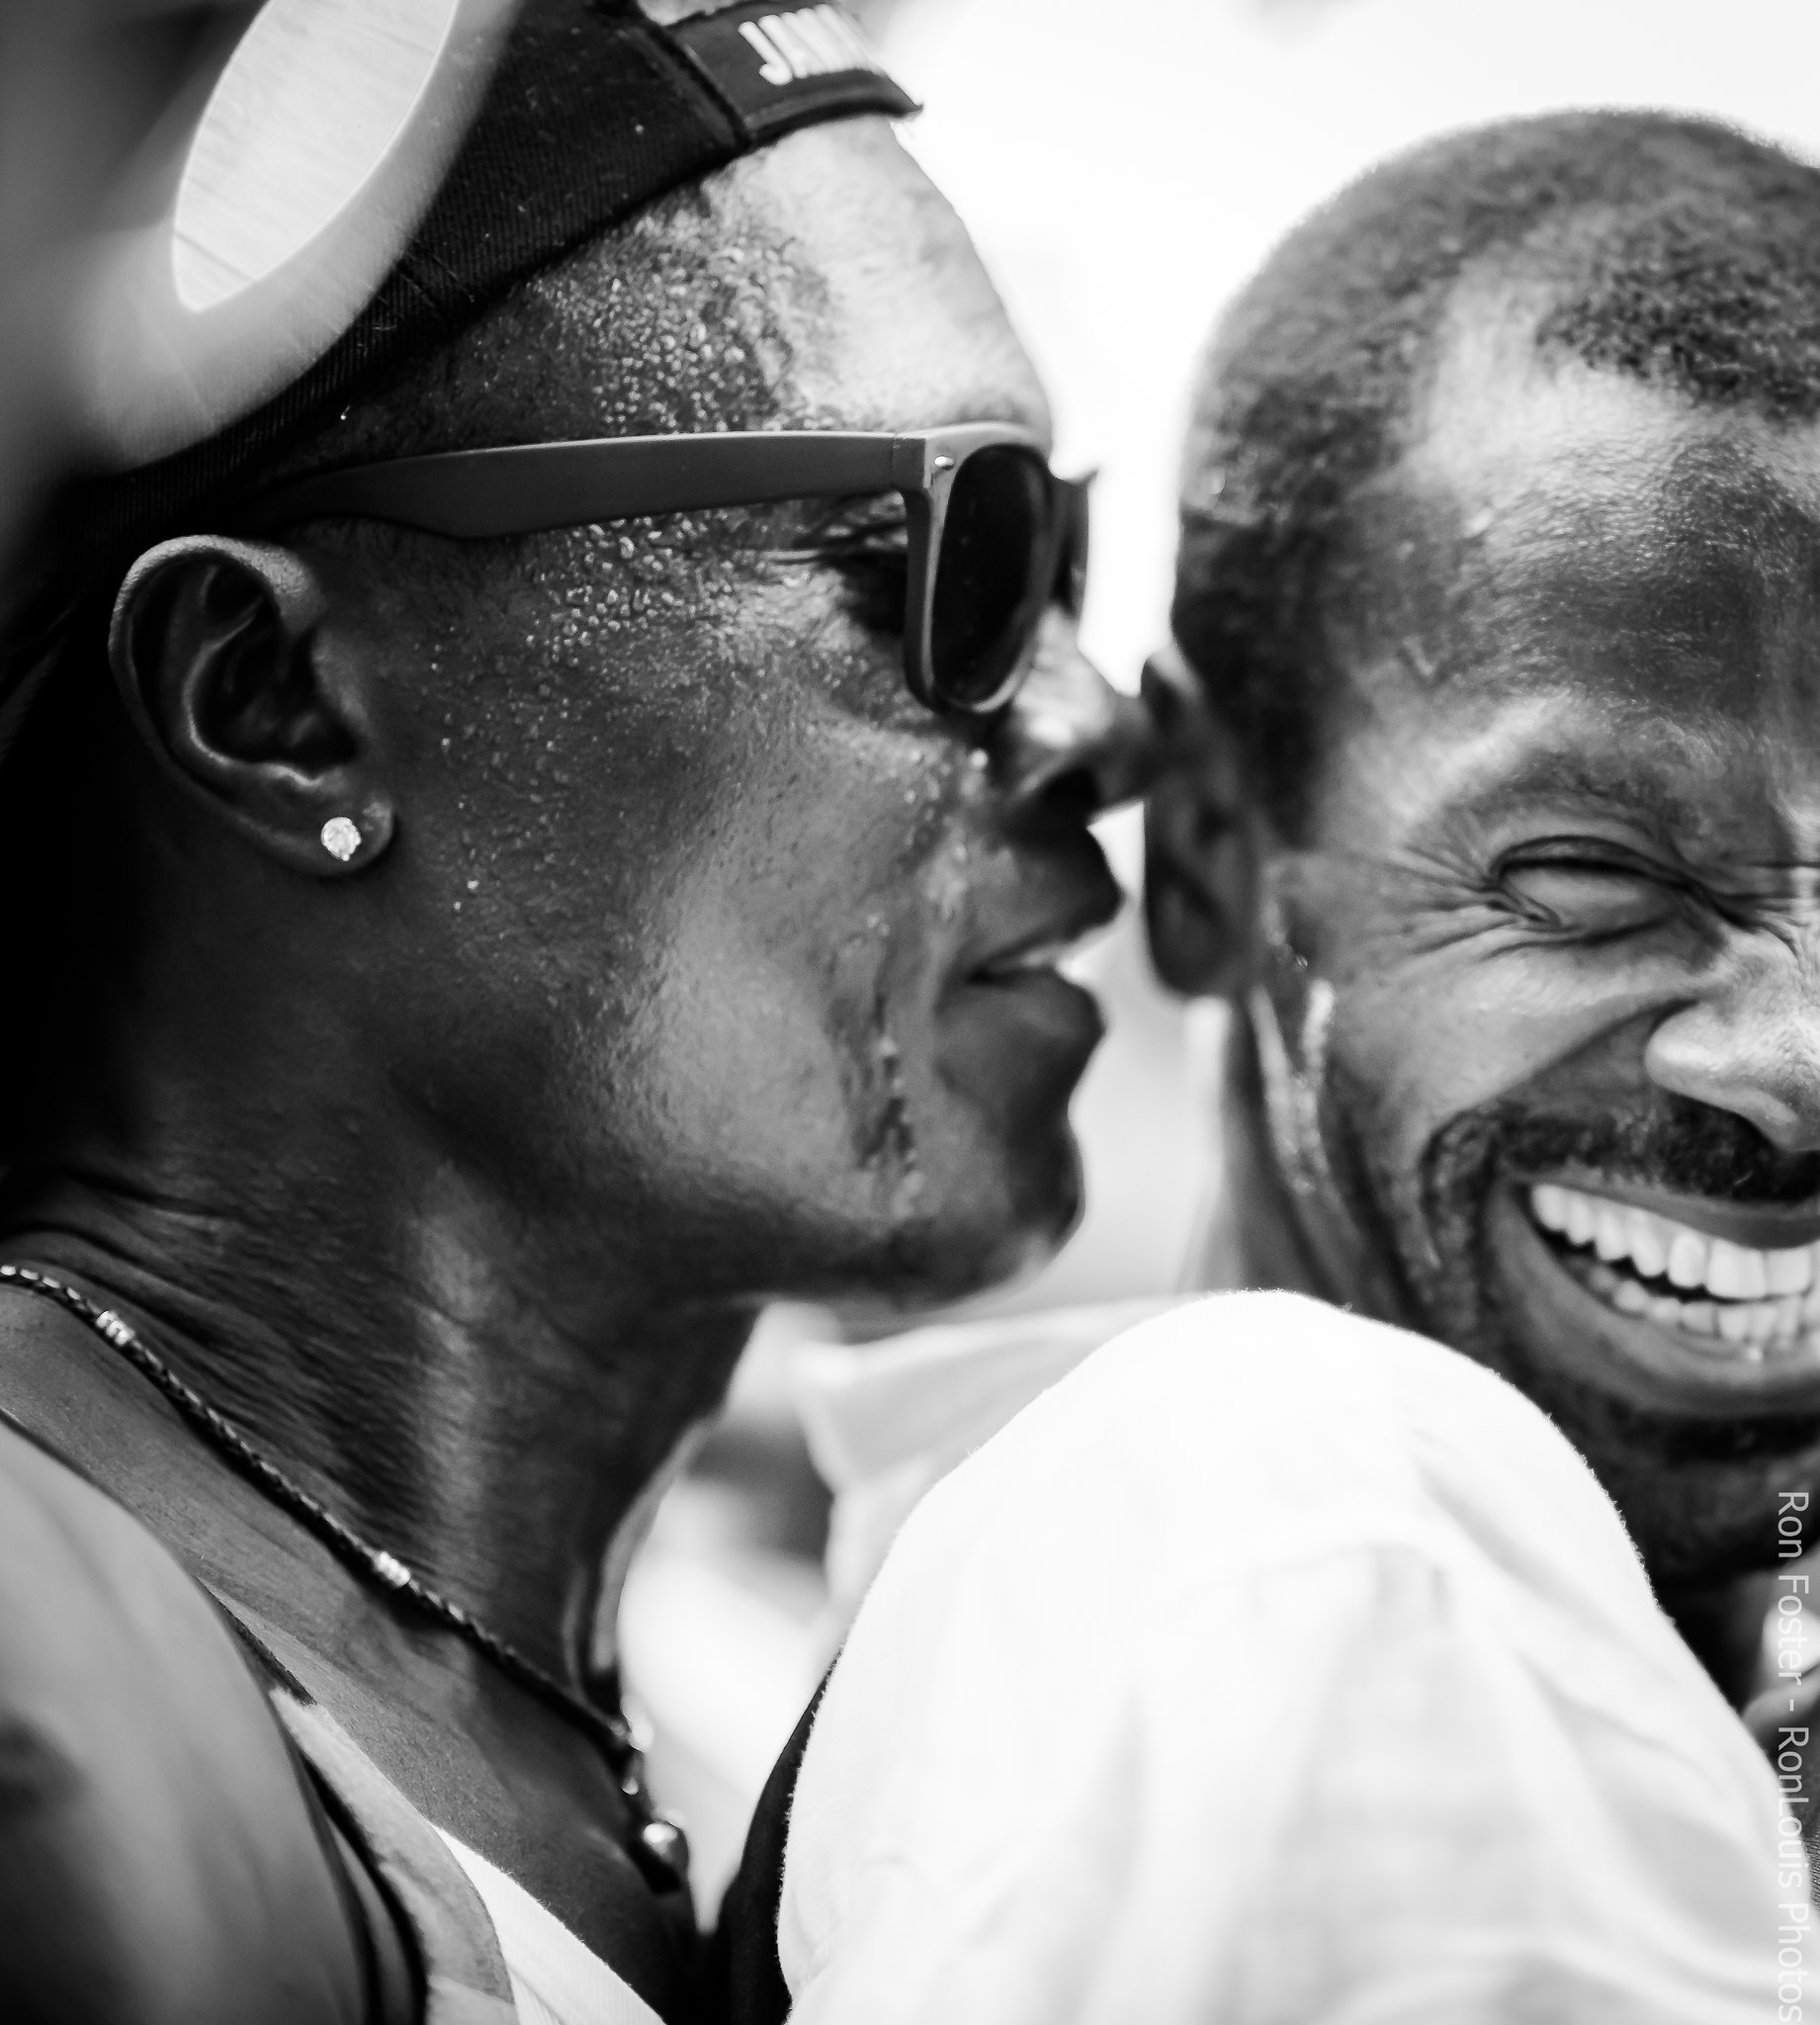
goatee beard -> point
(1691, 1486)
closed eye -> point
(1591, 897)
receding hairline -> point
(1556, 246)
(1679, 252)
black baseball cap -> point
(589, 112)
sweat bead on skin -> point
(682, 961)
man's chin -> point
(946, 1264)
(990, 1242)
(1695, 1437)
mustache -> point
(1678, 1144)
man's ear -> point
(217, 648)
(1200, 839)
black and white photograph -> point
(909, 1043)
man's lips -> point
(1764, 1226)
(1047, 953)
(1700, 1311)
(1039, 946)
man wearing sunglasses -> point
(993, 540)
(558, 830)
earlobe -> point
(1200, 877)
(217, 648)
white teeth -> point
(1688, 1257)
(1647, 1246)
(1738, 1275)
(1762, 1300)
(1790, 1272)
(1735, 1324)
(1611, 1235)
(1629, 1296)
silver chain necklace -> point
(660, 1847)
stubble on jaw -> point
(1694, 1491)
(1699, 1494)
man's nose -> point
(1751, 1044)
(1071, 744)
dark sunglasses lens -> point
(992, 576)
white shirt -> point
(1276, 1666)
(557, 1980)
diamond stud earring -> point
(341, 838)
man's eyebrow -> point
(1626, 785)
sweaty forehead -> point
(821, 283)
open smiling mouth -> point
(1730, 1303)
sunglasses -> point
(995, 538)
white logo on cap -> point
(807, 41)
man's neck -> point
(437, 1382)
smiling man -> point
(1498, 604)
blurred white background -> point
(1124, 166)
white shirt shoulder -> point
(1275, 1664)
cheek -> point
(798, 963)
(1429, 1023)
(1433, 1041)
(732, 878)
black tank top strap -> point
(744, 1979)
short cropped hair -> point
(1680, 252)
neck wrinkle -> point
(419, 1382)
